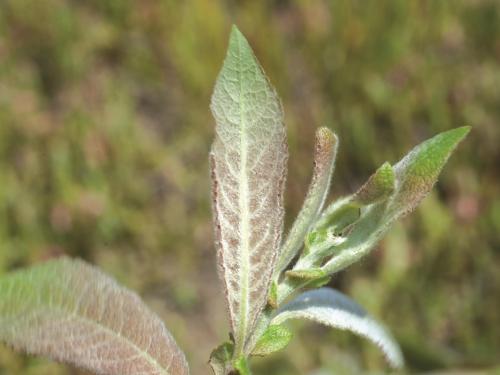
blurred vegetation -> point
(105, 130)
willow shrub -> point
(72, 312)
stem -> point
(241, 367)
(289, 287)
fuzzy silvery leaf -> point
(331, 308)
(73, 313)
(248, 164)
(324, 160)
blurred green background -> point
(105, 130)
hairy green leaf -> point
(307, 274)
(248, 161)
(338, 215)
(274, 339)
(364, 236)
(318, 283)
(415, 175)
(345, 211)
(331, 308)
(379, 186)
(324, 161)
(221, 357)
(72, 312)
(418, 171)
(272, 299)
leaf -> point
(307, 274)
(365, 234)
(418, 171)
(331, 308)
(338, 215)
(345, 211)
(324, 161)
(415, 175)
(248, 162)
(379, 186)
(318, 283)
(272, 298)
(342, 215)
(72, 312)
(274, 339)
(220, 359)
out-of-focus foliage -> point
(105, 131)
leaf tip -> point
(235, 32)
(326, 145)
(433, 154)
(455, 136)
(418, 171)
(237, 40)
(323, 133)
(464, 130)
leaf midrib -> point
(244, 225)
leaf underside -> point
(72, 312)
(248, 165)
(331, 308)
(324, 160)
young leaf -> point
(379, 186)
(342, 214)
(307, 274)
(418, 171)
(318, 283)
(345, 211)
(72, 312)
(248, 162)
(272, 298)
(273, 340)
(364, 236)
(338, 215)
(415, 175)
(220, 359)
(331, 308)
(324, 161)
